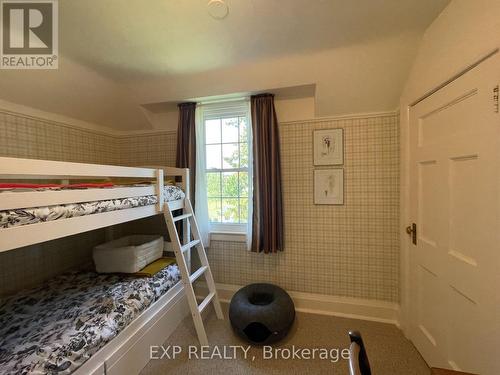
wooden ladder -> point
(183, 250)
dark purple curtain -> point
(186, 143)
(267, 222)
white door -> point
(455, 203)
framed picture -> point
(328, 146)
(329, 186)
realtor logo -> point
(29, 34)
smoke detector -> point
(218, 9)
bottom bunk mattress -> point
(55, 328)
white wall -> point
(166, 120)
(465, 30)
(295, 109)
(364, 77)
(287, 109)
(360, 78)
(75, 91)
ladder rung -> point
(189, 245)
(187, 278)
(200, 271)
(182, 217)
(203, 305)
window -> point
(227, 146)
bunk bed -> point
(41, 213)
(151, 197)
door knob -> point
(412, 231)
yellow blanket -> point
(153, 268)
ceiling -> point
(129, 54)
(135, 39)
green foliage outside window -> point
(228, 186)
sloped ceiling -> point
(118, 56)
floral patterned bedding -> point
(13, 218)
(55, 328)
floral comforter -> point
(55, 328)
(13, 218)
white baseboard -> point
(346, 307)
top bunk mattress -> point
(24, 216)
(55, 328)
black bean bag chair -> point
(261, 313)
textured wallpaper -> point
(27, 137)
(157, 149)
(350, 250)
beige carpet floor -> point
(390, 353)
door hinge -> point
(495, 99)
(412, 231)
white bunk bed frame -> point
(129, 352)
(30, 169)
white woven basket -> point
(128, 254)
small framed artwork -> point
(329, 186)
(328, 145)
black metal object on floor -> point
(261, 313)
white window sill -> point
(228, 236)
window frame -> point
(223, 111)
